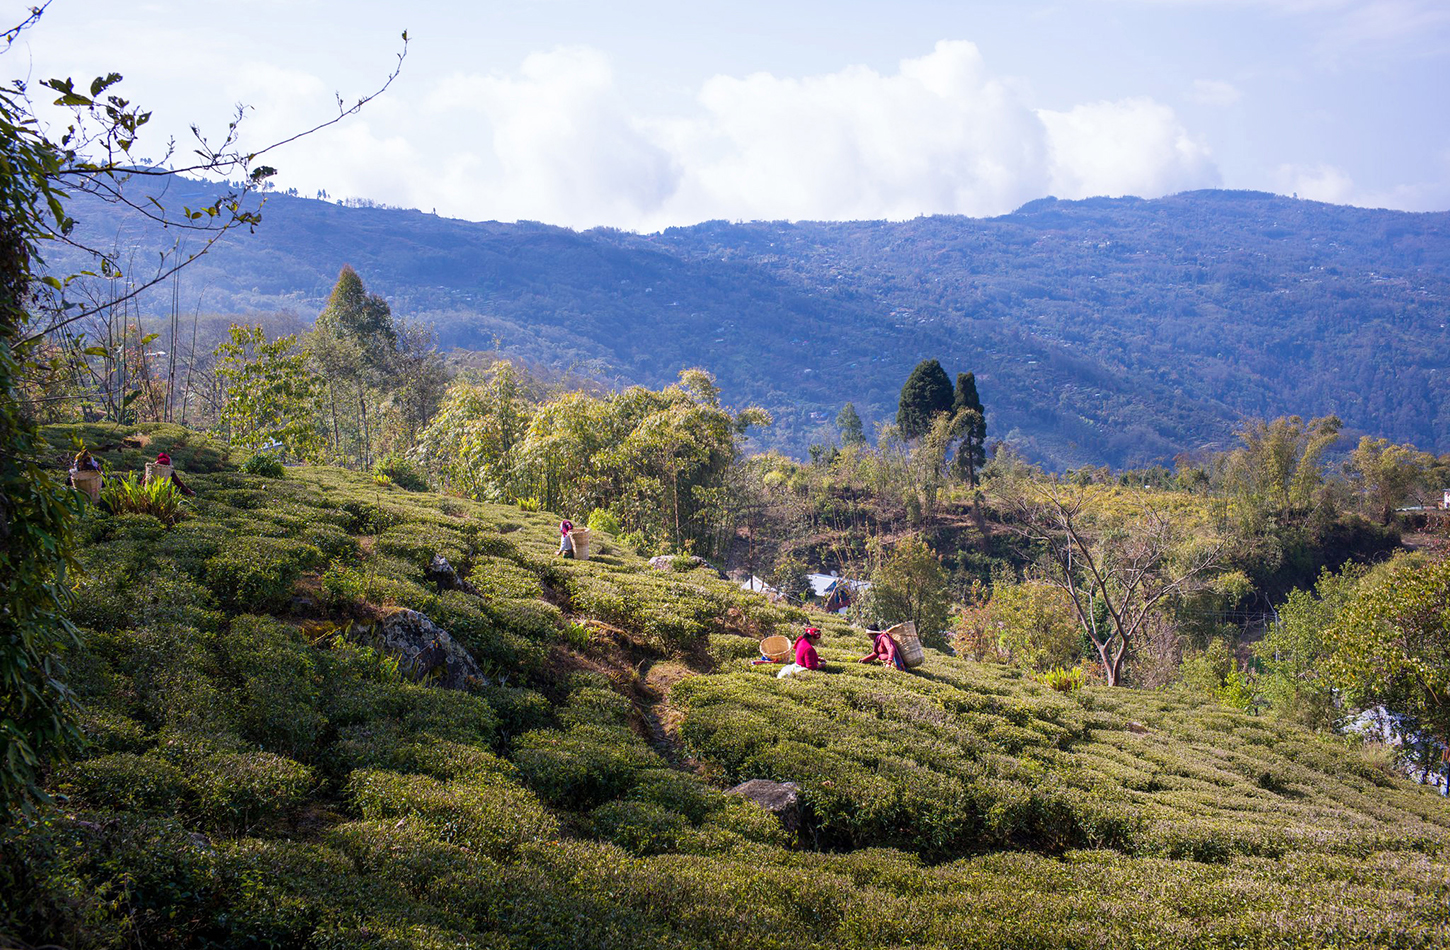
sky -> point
(645, 115)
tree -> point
(271, 394)
(1034, 624)
(789, 577)
(972, 451)
(1387, 475)
(1391, 643)
(1116, 575)
(355, 344)
(926, 394)
(1277, 471)
(911, 585)
(849, 422)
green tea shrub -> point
(677, 791)
(403, 472)
(278, 696)
(257, 574)
(639, 827)
(519, 710)
(530, 619)
(593, 705)
(334, 543)
(407, 852)
(482, 813)
(365, 517)
(124, 782)
(503, 577)
(109, 731)
(263, 465)
(247, 793)
(583, 767)
(415, 544)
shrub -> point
(125, 782)
(278, 695)
(602, 519)
(263, 465)
(583, 767)
(639, 827)
(257, 574)
(246, 793)
(482, 813)
(403, 472)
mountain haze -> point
(1107, 330)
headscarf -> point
(163, 459)
(566, 526)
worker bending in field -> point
(885, 649)
(806, 657)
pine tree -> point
(972, 453)
(927, 393)
(849, 422)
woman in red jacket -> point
(805, 654)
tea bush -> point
(257, 574)
(124, 782)
(484, 814)
(247, 793)
(266, 466)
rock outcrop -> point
(447, 577)
(781, 799)
(426, 652)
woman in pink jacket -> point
(885, 649)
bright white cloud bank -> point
(555, 141)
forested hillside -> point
(1117, 331)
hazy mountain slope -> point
(1102, 330)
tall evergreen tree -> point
(927, 393)
(848, 420)
(972, 453)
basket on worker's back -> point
(775, 647)
(155, 471)
(905, 636)
(88, 482)
(579, 541)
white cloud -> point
(942, 134)
(1135, 146)
(1214, 92)
(1316, 183)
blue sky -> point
(645, 115)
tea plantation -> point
(260, 774)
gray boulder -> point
(781, 799)
(447, 577)
(426, 651)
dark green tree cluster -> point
(382, 381)
(927, 396)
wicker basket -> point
(775, 647)
(905, 636)
(88, 482)
(579, 540)
(158, 472)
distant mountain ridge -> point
(1106, 330)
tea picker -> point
(162, 470)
